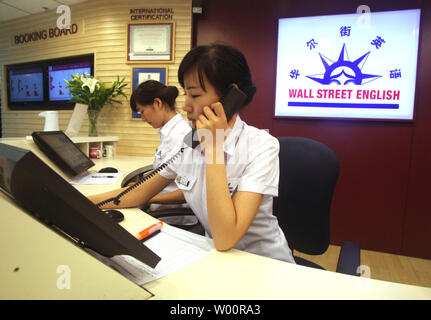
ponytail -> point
(147, 91)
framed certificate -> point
(150, 42)
(142, 74)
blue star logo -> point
(344, 71)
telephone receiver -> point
(136, 175)
(232, 101)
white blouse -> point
(252, 164)
(171, 140)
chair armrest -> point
(349, 259)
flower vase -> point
(93, 115)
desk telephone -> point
(232, 102)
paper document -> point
(96, 178)
(176, 247)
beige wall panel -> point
(102, 30)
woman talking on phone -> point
(230, 181)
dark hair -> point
(147, 91)
(222, 65)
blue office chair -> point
(309, 171)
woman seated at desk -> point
(155, 102)
(231, 183)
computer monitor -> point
(40, 85)
(62, 151)
(25, 84)
(57, 73)
(54, 202)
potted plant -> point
(88, 90)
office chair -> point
(309, 171)
(163, 214)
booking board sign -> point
(348, 66)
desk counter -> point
(219, 275)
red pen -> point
(149, 231)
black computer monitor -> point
(58, 72)
(40, 85)
(25, 84)
(54, 202)
(62, 151)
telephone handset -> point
(232, 102)
(136, 175)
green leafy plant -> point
(90, 91)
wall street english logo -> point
(343, 71)
(336, 66)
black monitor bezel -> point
(46, 104)
(51, 153)
(45, 195)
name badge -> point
(158, 153)
(185, 182)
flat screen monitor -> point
(40, 85)
(54, 202)
(57, 73)
(62, 151)
(348, 66)
(26, 84)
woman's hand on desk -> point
(135, 197)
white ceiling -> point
(12, 9)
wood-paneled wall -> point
(103, 31)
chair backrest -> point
(308, 174)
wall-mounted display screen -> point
(26, 85)
(40, 85)
(60, 72)
(354, 66)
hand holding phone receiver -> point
(232, 101)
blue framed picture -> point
(142, 74)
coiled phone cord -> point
(116, 199)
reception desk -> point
(38, 263)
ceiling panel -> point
(12, 9)
(8, 13)
(32, 6)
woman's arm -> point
(136, 197)
(229, 217)
(174, 197)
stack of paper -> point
(96, 178)
(176, 247)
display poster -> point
(348, 66)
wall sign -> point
(152, 14)
(42, 34)
(337, 67)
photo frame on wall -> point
(150, 42)
(141, 74)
